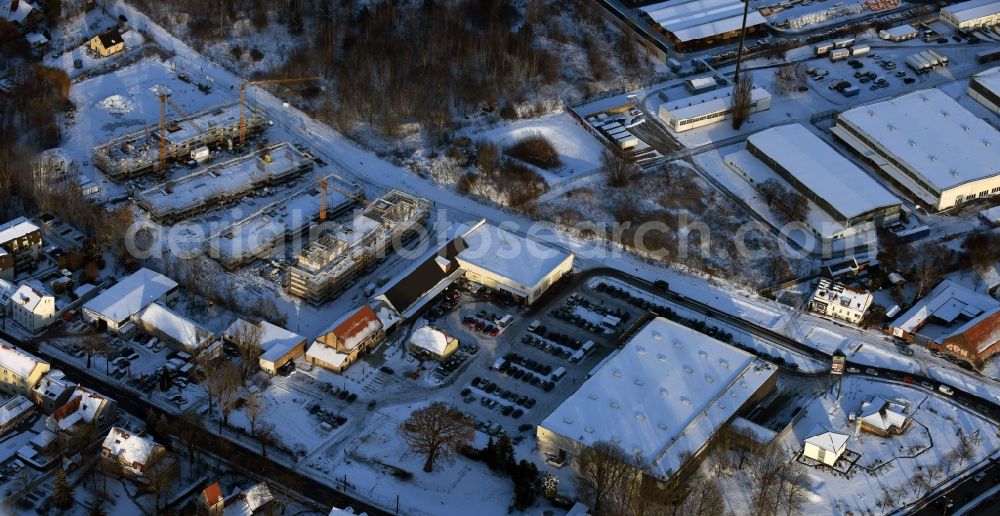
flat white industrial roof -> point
(900, 31)
(708, 102)
(664, 395)
(933, 134)
(130, 295)
(823, 170)
(973, 9)
(519, 259)
(990, 79)
(16, 228)
(696, 19)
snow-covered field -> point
(892, 462)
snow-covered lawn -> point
(892, 462)
(579, 151)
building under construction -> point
(183, 197)
(261, 233)
(138, 153)
(329, 263)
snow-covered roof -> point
(899, 31)
(82, 290)
(327, 354)
(831, 292)
(13, 408)
(760, 433)
(989, 79)
(83, 406)
(53, 384)
(992, 214)
(130, 295)
(246, 503)
(352, 329)
(933, 135)
(17, 361)
(705, 103)
(882, 414)
(435, 341)
(28, 297)
(346, 511)
(664, 395)
(36, 39)
(947, 301)
(507, 255)
(7, 290)
(828, 441)
(16, 228)
(275, 341)
(696, 19)
(129, 448)
(972, 10)
(177, 327)
(823, 170)
(18, 15)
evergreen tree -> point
(525, 477)
(62, 492)
(96, 508)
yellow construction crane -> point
(243, 88)
(164, 100)
(324, 184)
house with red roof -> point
(341, 344)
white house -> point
(883, 418)
(133, 452)
(32, 308)
(840, 301)
(826, 447)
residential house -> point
(341, 344)
(22, 240)
(20, 372)
(435, 343)
(840, 301)
(250, 502)
(883, 418)
(7, 290)
(826, 447)
(107, 43)
(33, 308)
(6, 265)
(85, 412)
(14, 411)
(955, 320)
(133, 453)
(20, 12)
(211, 502)
(278, 346)
(52, 391)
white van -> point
(946, 390)
(505, 321)
(558, 374)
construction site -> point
(260, 234)
(224, 182)
(152, 148)
(339, 253)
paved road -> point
(234, 453)
(960, 496)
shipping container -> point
(860, 51)
(843, 43)
(824, 49)
(940, 57)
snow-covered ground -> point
(579, 151)
(892, 462)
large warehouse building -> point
(708, 108)
(694, 23)
(927, 144)
(984, 87)
(849, 195)
(972, 14)
(664, 395)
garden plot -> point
(891, 466)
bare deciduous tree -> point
(438, 431)
(618, 167)
(608, 478)
(253, 407)
(246, 339)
